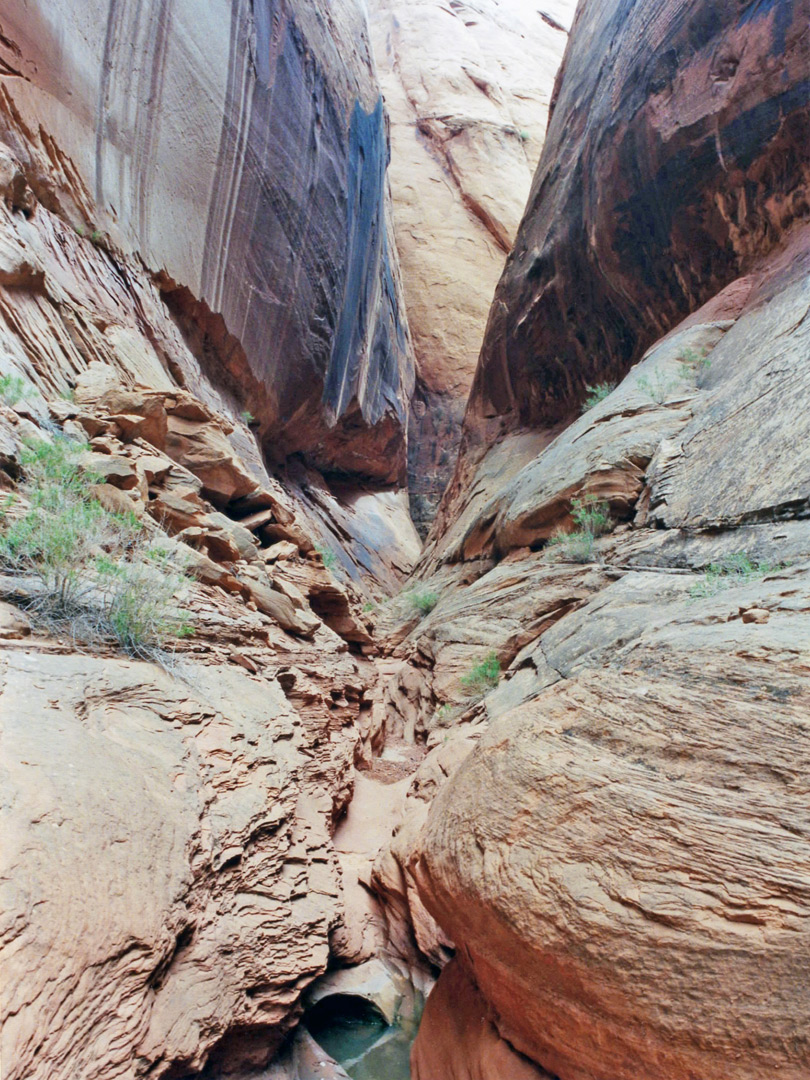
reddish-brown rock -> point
(676, 154)
(458, 1041)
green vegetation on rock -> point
(85, 571)
(483, 676)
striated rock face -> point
(615, 839)
(618, 834)
(169, 880)
(467, 87)
(241, 150)
(676, 155)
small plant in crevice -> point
(732, 570)
(85, 571)
(247, 417)
(423, 600)
(592, 518)
(658, 386)
(695, 365)
(483, 676)
(328, 558)
(14, 389)
(596, 394)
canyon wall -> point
(675, 156)
(240, 149)
(610, 833)
(467, 88)
(199, 294)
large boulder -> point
(622, 859)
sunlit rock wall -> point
(467, 86)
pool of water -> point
(355, 1034)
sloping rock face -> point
(675, 157)
(241, 150)
(467, 87)
(615, 838)
(618, 833)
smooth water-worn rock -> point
(617, 834)
(467, 87)
(240, 149)
(458, 1041)
(168, 873)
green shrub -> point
(247, 417)
(596, 394)
(139, 597)
(657, 386)
(694, 365)
(423, 600)
(592, 518)
(14, 389)
(483, 676)
(97, 574)
(736, 569)
(591, 515)
(328, 558)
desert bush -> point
(96, 574)
(592, 518)
(596, 394)
(736, 569)
(328, 558)
(658, 386)
(694, 365)
(483, 676)
(14, 389)
(423, 600)
(139, 599)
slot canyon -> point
(405, 539)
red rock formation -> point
(458, 1041)
(676, 155)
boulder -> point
(202, 447)
(458, 1041)
(158, 879)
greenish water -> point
(359, 1039)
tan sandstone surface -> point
(467, 87)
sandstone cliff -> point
(467, 88)
(240, 150)
(613, 839)
(199, 287)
